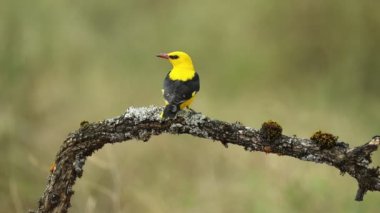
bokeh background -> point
(307, 64)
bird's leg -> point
(191, 109)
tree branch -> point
(142, 123)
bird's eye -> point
(173, 56)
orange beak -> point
(163, 55)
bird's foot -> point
(193, 111)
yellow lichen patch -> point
(270, 131)
(324, 140)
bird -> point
(181, 84)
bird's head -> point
(178, 59)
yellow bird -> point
(181, 84)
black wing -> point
(176, 92)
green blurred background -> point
(307, 64)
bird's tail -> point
(170, 111)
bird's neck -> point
(182, 73)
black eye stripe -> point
(173, 56)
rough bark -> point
(144, 122)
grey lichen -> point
(306, 143)
(199, 132)
(144, 135)
(192, 124)
(139, 114)
(194, 119)
(175, 127)
(311, 157)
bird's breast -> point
(181, 74)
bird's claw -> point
(193, 111)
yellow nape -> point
(183, 68)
